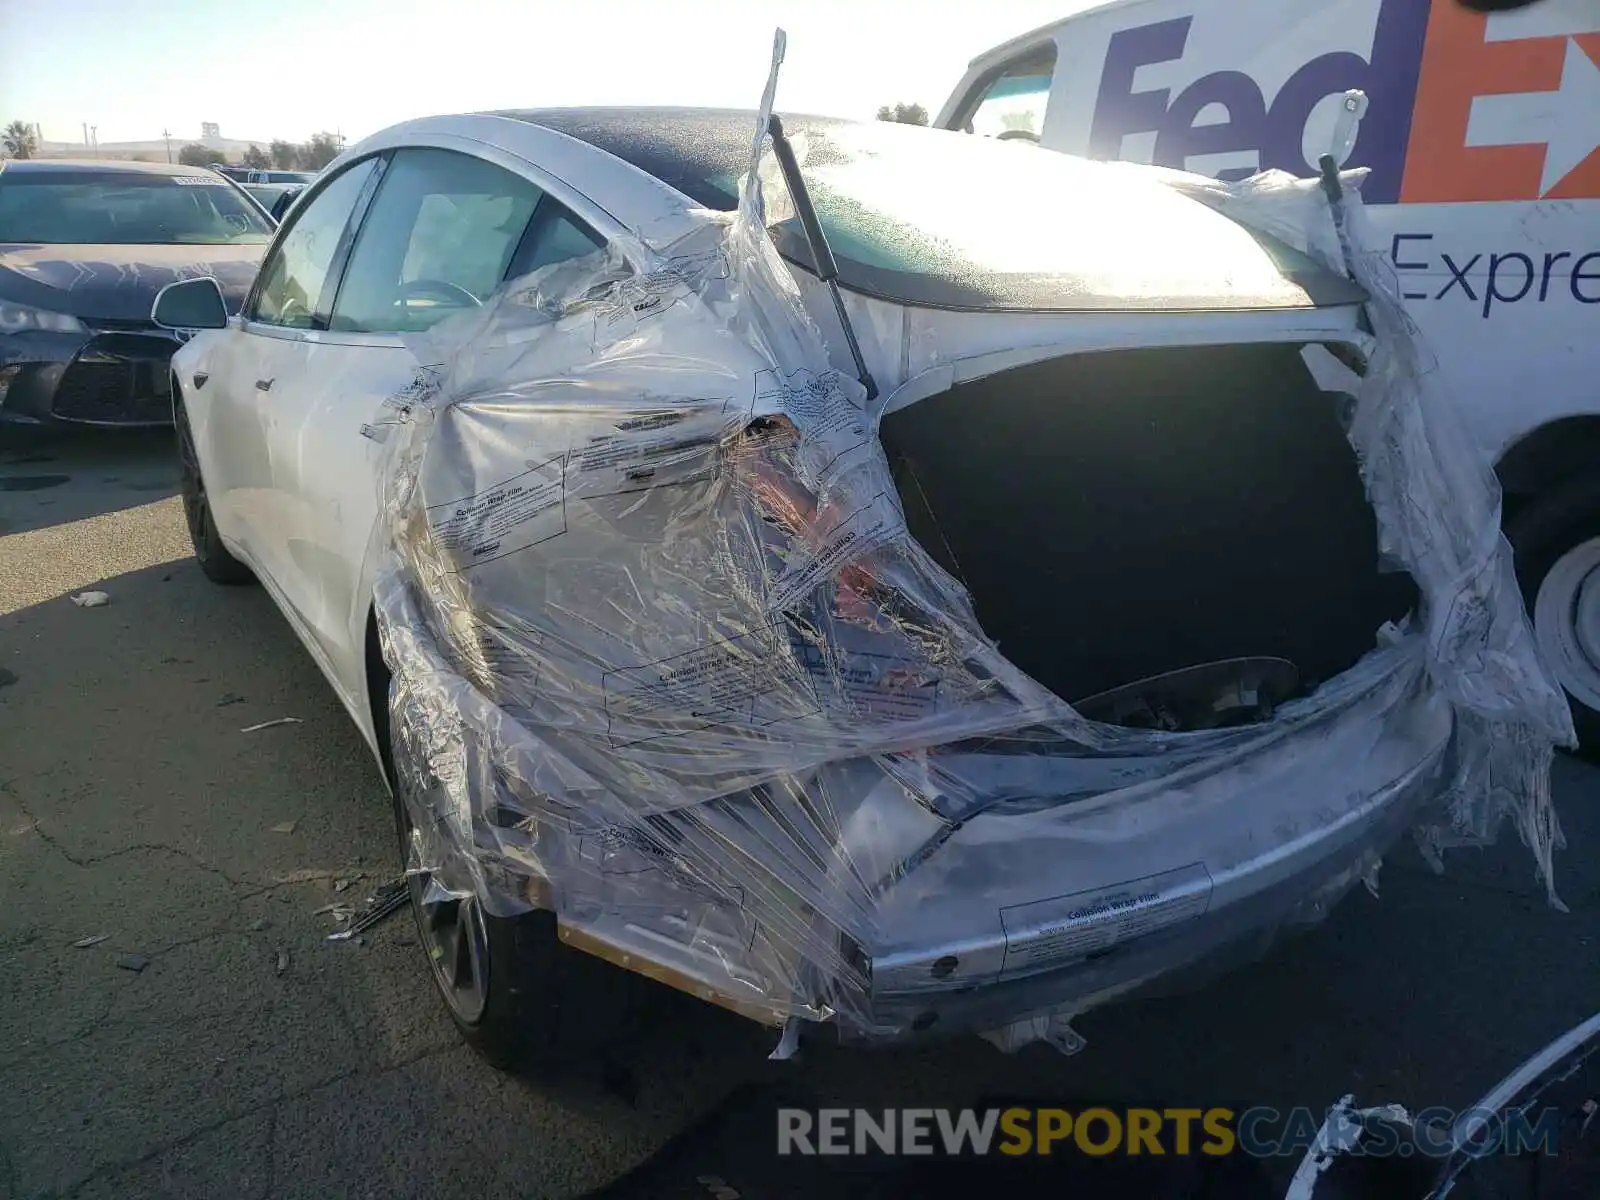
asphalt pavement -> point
(211, 1042)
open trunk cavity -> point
(1128, 514)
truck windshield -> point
(124, 208)
(1010, 102)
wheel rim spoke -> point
(461, 964)
(453, 934)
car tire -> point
(530, 1003)
(1556, 539)
(215, 562)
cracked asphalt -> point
(214, 1044)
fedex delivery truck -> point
(1483, 141)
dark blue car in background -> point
(84, 248)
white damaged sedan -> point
(866, 577)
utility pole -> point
(167, 137)
(94, 133)
(86, 137)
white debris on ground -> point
(272, 724)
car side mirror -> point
(191, 304)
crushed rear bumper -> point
(1051, 904)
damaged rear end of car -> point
(1110, 639)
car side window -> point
(292, 280)
(555, 236)
(1011, 102)
(439, 237)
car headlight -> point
(19, 318)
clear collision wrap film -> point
(667, 662)
(1438, 506)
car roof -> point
(640, 174)
(682, 147)
(77, 166)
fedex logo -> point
(1464, 106)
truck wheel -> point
(1557, 542)
(520, 997)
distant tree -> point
(904, 114)
(255, 158)
(196, 155)
(1022, 121)
(321, 150)
(140, 157)
(285, 155)
(18, 140)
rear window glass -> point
(122, 209)
(943, 219)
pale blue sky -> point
(286, 68)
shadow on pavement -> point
(50, 478)
(732, 1153)
(177, 1024)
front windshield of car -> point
(126, 209)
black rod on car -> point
(821, 253)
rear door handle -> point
(264, 385)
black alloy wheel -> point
(215, 562)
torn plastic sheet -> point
(1413, 449)
(668, 663)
